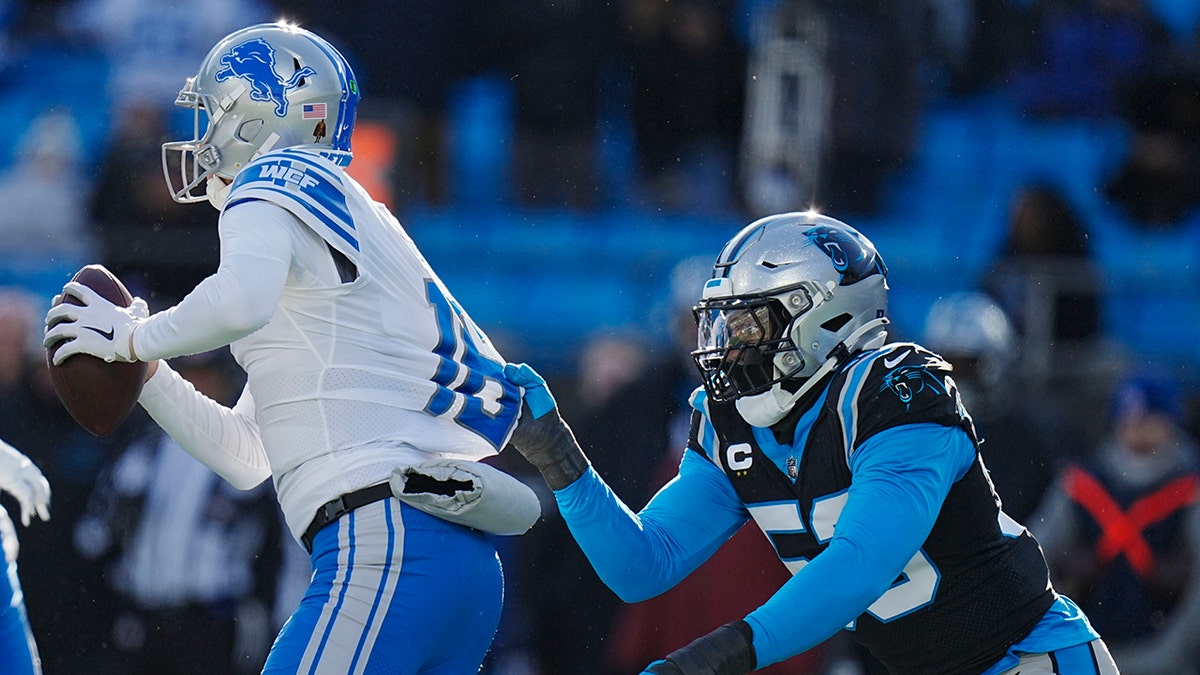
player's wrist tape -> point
(548, 444)
(728, 650)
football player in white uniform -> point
(24, 481)
(366, 380)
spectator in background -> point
(131, 214)
(191, 561)
(44, 219)
(153, 46)
(688, 74)
(1121, 532)
(1045, 280)
(20, 478)
(833, 101)
(979, 43)
(556, 56)
(1084, 51)
(1157, 184)
(1024, 439)
(877, 97)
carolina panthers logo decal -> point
(908, 381)
(852, 257)
(254, 62)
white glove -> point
(97, 327)
(19, 477)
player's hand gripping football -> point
(728, 650)
(97, 327)
(542, 437)
(20, 478)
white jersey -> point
(368, 362)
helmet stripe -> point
(348, 104)
(733, 250)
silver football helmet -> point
(274, 85)
(790, 296)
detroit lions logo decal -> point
(254, 62)
(853, 258)
(908, 381)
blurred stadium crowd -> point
(570, 167)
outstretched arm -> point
(642, 555)
(637, 555)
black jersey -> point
(978, 585)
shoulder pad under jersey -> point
(308, 185)
(897, 384)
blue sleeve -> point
(900, 477)
(639, 556)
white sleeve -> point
(225, 440)
(241, 297)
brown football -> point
(98, 395)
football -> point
(98, 395)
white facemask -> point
(217, 191)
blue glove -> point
(537, 394)
(728, 650)
(541, 436)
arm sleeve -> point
(900, 479)
(641, 555)
(225, 440)
(240, 298)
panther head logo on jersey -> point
(853, 258)
(254, 62)
(908, 381)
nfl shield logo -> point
(792, 469)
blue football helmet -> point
(269, 86)
(790, 296)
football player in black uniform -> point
(854, 456)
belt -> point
(336, 508)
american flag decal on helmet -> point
(313, 111)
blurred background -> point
(570, 168)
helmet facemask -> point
(193, 161)
(745, 346)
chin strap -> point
(837, 355)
